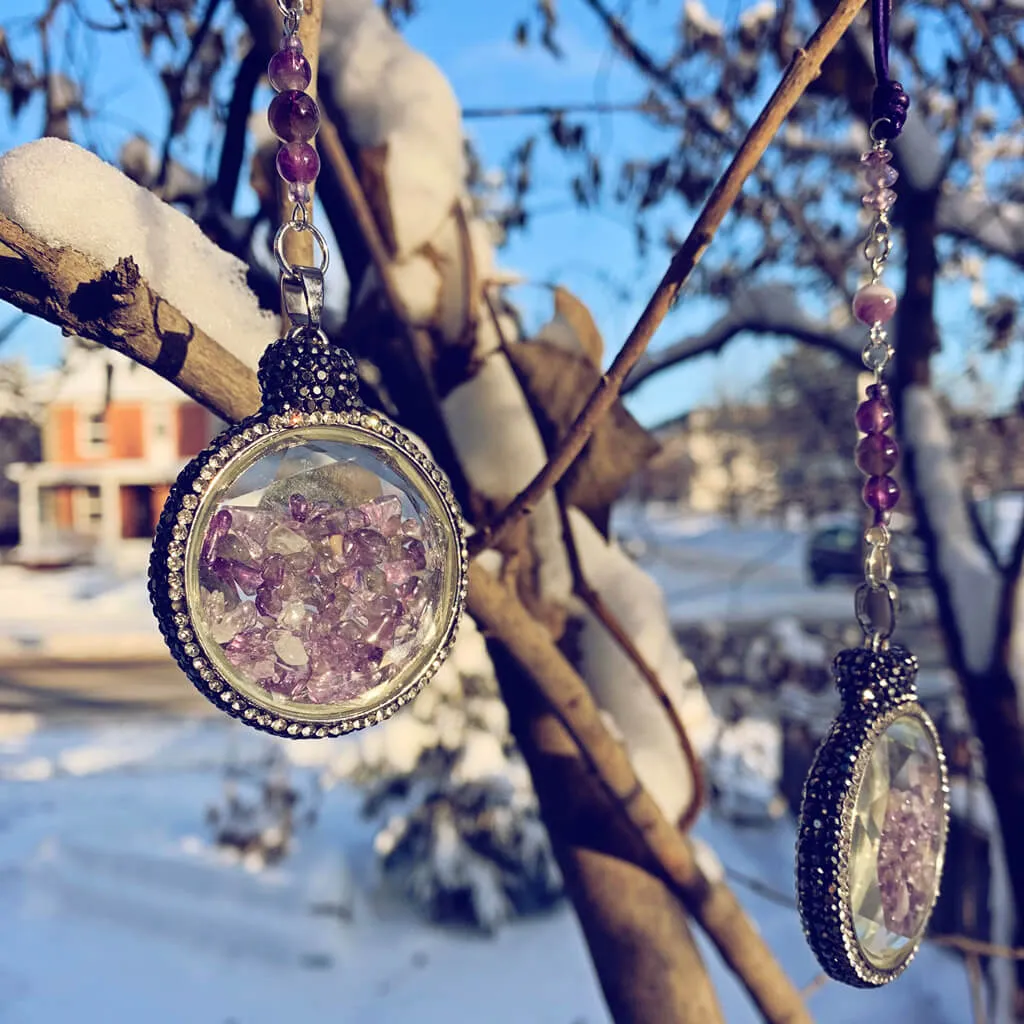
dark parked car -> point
(839, 551)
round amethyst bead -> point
(289, 69)
(294, 116)
(874, 416)
(877, 454)
(298, 163)
(881, 493)
(873, 304)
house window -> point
(95, 433)
(87, 503)
(93, 506)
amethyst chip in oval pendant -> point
(873, 823)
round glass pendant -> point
(873, 823)
(310, 565)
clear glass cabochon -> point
(322, 572)
(898, 842)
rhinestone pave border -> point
(829, 801)
(167, 566)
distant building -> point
(114, 437)
(711, 461)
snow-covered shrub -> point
(261, 811)
(461, 835)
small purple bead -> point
(874, 416)
(293, 42)
(877, 454)
(881, 493)
(298, 162)
(293, 116)
(875, 158)
(879, 199)
(289, 69)
(882, 175)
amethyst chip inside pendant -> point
(873, 823)
(310, 567)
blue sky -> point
(593, 254)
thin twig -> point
(604, 615)
(977, 947)
(803, 69)
(556, 109)
(198, 37)
(816, 984)
(962, 943)
(236, 125)
(1012, 74)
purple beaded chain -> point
(874, 306)
(294, 116)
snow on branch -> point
(119, 308)
(67, 198)
(768, 309)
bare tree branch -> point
(644, 106)
(119, 309)
(768, 309)
(1013, 74)
(236, 125)
(805, 66)
(174, 127)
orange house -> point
(115, 436)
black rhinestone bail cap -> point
(875, 680)
(306, 373)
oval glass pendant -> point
(309, 567)
(873, 823)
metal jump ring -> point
(879, 142)
(876, 634)
(287, 267)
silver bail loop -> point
(302, 296)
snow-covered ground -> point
(83, 612)
(115, 907)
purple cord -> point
(890, 103)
